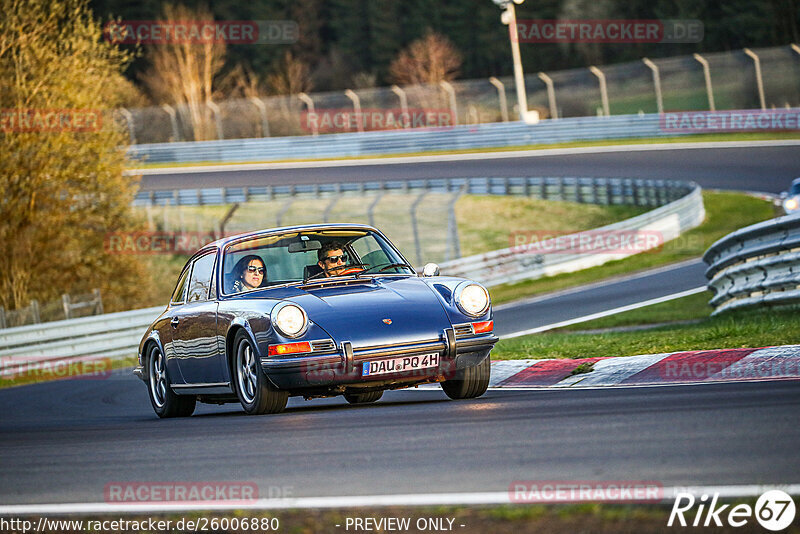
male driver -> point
(332, 258)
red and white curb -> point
(699, 366)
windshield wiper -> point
(383, 267)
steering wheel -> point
(351, 270)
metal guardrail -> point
(758, 265)
(512, 265)
(604, 191)
(491, 135)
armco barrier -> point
(491, 135)
(758, 265)
(510, 265)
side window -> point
(200, 282)
(180, 289)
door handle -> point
(174, 322)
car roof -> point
(221, 243)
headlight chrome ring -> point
(471, 298)
(289, 319)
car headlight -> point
(290, 319)
(790, 204)
(472, 298)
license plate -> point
(400, 365)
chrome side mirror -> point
(430, 269)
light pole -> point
(509, 17)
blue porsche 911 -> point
(315, 311)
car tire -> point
(255, 393)
(470, 382)
(166, 403)
(363, 398)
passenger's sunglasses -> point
(253, 269)
(335, 259)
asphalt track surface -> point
(64, 441)
(755, 168)
(606, 295)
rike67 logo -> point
(774, 510)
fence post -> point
(129, 121)
(452, 227)
(349, 93)
(65, 301)
(329, 207)
(176, 134)
(371, 208)
(217, 118)
(501, 94)
(401, 94)
(35, 311)
(759, 81)
(707, 76)
(98, 302)
(448, 88)
(310, 105)
(3, 323)
(656, 84)
(414, 229)
(262, 108)
(603, 89)
(283, 210)
(551, 94)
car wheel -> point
(363, 398)
(470, 382)
(252, 387)
(166, 402)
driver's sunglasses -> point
(253, 269)
(335, 259)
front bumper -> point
(343, 364)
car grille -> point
(323, 345)
(463, 330)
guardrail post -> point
(551, 94)
(414, 229)
(707, 76)
(448, 88)
(349, 93)
(173, 118)
(603, 88)
(310, 106)
(656, 83)
(759, 81)
(401, 94)
(262, 108)
(501, 95)
(217, 117)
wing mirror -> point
(430, 269)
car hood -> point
(359, 312)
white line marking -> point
(395, 160)
(606, 313)
(358, 501)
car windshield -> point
(296, 256)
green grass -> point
(758, 328)
(725, 212)
(696, 138)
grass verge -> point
(100, 370)
(758, 328)
(725, 212)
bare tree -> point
(290, 77)
(428, 60)
(183, 73)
